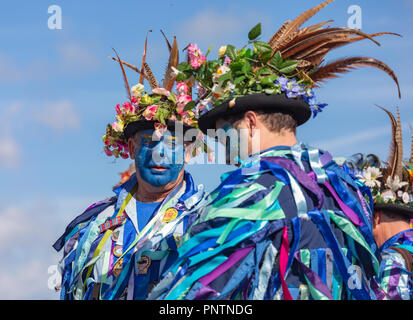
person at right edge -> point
(290, 223)
(391, 186)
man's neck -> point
(268, 140)
(150, 194)
(393, 229)
(278, 139)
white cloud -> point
(75, 57)
(71, 58)
(59, 115)
(9, 152)
(211, 27)
(9, 70)
(27, 233)
(338, 143)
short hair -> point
(394, 216)
(274, 121)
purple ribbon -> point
(314, 278)
(347, 210)
(300, 175)
(207, 291)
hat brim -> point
(296, 107)
(140, 125)
(394, 208)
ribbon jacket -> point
(395, 277)
(106, 256)
(289, 224)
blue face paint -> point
(159, 162)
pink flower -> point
(227, 61)
(135, 101)
(193, 49)
(108, 152)
(197, 62)
(117, 108)
(150, 112)
(160, 129)
(182, 87)
(195, 55)
(161, 91)
(124, 155)
(182, 101)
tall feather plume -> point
(141, 77)
(149, 76)
(322, 37)
(131, 66)
(125, 78)
(335, 44)
(169, 78)
(332, 70)
(167, 41)
(411, 149)
(287, 31)
(393, 152)
(399, 141)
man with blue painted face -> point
(120, 247)
(289, 223)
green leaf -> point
(277, 60)
(225, 77)
(246, 68)
(231, 52)
(289, 66)
(239, 80)
(266, 56)
(255, 32)
(209, 50)
(262, 47)
(183, 66)
(189, 106)
(264, 71)
(269, 80)
(181, 77)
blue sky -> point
(59, 90)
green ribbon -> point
(347, 227)
(305, 257)
(178, 294)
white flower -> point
(395, 184)
(222, 51)
(221, 70)
(137, 90)
(370, 176)
(406, 198)
(388, 196)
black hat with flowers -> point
(161, 110)
(391, 182)
(276, 76)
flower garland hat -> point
(160, 110)
(391, 183)
(278, 75)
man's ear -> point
(377, 217)
(251, 119)
(131, 146)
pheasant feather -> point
(125, 78)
